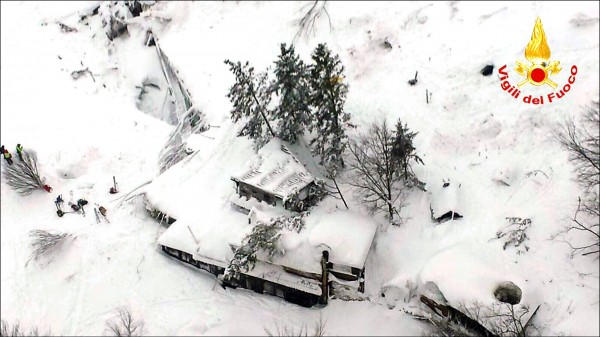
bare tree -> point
(306, 25)
(6, 330)
(376, 174)
(286, 330)
(125, 324)
(592, 244)
(46, 244)
(23, 175)
(583, 144)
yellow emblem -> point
(538, 69)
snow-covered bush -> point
(125, 324)
(515, 234)
(23, 175)
(46, 244)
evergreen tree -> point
(327, 97)
(291, 85)
(403, 151)
(250, 96)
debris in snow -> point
(66, 29)
(582, 20)
(487, 70)
(76, 74)
(114, 190)
(508, 292)
(414, 80)
(386, 44)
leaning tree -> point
(23, 175)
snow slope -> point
(471, 132)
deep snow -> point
(472, 133)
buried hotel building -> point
(329, 253)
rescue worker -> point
(20, 151)
(59, 201)
(8, 157)
(81, 203)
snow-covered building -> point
(446, 203)
(329, 252)
(273, 177)
(331, 249)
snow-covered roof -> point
(275, 170)
(446, 199)
(348, 235)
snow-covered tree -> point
(23, 175)
(404, 152)
(263, 237)
(291, 85)
(328, 93)
(250, 96)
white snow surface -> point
(445, 199)
(347, 234)
(88, 130)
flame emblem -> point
(538, 70)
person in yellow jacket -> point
(20, 151)
(8, 157)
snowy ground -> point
(471, 133)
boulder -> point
(508, 292)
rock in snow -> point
(508, 292)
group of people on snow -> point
(59, 200)
(77, 208)
(8, 156)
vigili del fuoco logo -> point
(538, 70)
